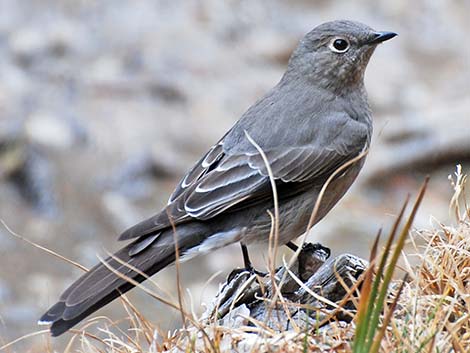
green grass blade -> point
(391, 267)
(381, 333)
(362, 312)
(378, 277)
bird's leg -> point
(248, 266)
(246, 258)
(292, 246)
(247, 262)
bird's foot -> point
(317, 249)
(311, 258)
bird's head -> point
(335, 54)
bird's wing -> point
(221, 180)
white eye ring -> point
(339, 45)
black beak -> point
(379, 37)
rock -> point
(26, 44)
(120, 210)
(49, 130)
(31, 173)
(167, 91)
(105, 70)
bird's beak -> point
(379, 37)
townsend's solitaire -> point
(312, 122)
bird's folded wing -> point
(219, 181)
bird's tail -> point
(101, 285)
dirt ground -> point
(105, 104)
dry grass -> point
(434, 310)
(432, 313)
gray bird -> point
(313, 121)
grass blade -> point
(379, 303)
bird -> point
(312, 122)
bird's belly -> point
(295, 213)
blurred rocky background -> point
(105, 104)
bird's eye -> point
(339, 45)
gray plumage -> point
(313, 121)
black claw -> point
(312, 248)
(238, 271)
